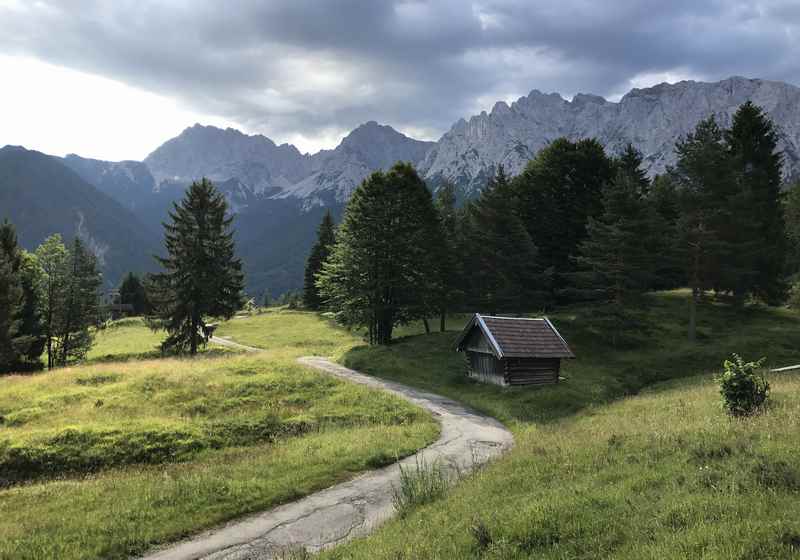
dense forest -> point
(575, 225)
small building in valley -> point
(513, 351)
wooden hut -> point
(512, 351)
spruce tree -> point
(11, 301)
(202, 276)
(706, 181)
(557, 192)
(28, 343)
(759, 220)
(616, 260)
(132, 292)
(502, 258)
(449, 289)
(326, 237)
(80, 309)
(381, 269)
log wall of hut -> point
(486, 368)
(531, 371)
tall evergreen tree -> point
(502, 258)
(759, 221)
(80, 309)
(706, 181)
(381, 270)
(53, 259)
(11, 301)
(449, 286)
(557, 192)
(132, 292)
(616, 261)
(202, 276)
(630, 162)
(326, 237)
(28, 343)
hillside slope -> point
(41, 196)
(631, 457)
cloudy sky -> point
(114, 79)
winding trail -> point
(356, 507)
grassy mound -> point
(628, 458)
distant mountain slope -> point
(652, 119)
(42, 196)
(128, 182)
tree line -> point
(49, 302)
(575, 225)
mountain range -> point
(279, 194)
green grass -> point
(105, 459)
(130, 339)
(628, 458)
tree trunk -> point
(442, 321)
(427, 325)
(193, 349)
(693, 315)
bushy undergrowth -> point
(743, 387)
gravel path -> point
(356, 507)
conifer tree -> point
(449, 289)
(759, 219)
(502, 258)
(11, 301)
(202, 276)
(132, 292)
(630, 162)
(326, 237)
(80, 309)
(616, 260)
(557, 192)
(381, 269)
(26, 346)
(706, 181)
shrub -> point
(743, 387)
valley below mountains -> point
(280, 194)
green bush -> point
(743, 387)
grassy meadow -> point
(105, 459)
(632, 456)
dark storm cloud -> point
(307, 66)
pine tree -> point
(132, 292)
(326, 237)
(502, 258)
(616, 260)
(11, 301)
(80, 308)
(449, 290)
(28, 342)
(381, 268)
(760, 231)
(53, 259)
(630, 162)
(557, 192)
(706, 182)
(202, 277)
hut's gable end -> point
(476, 341)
